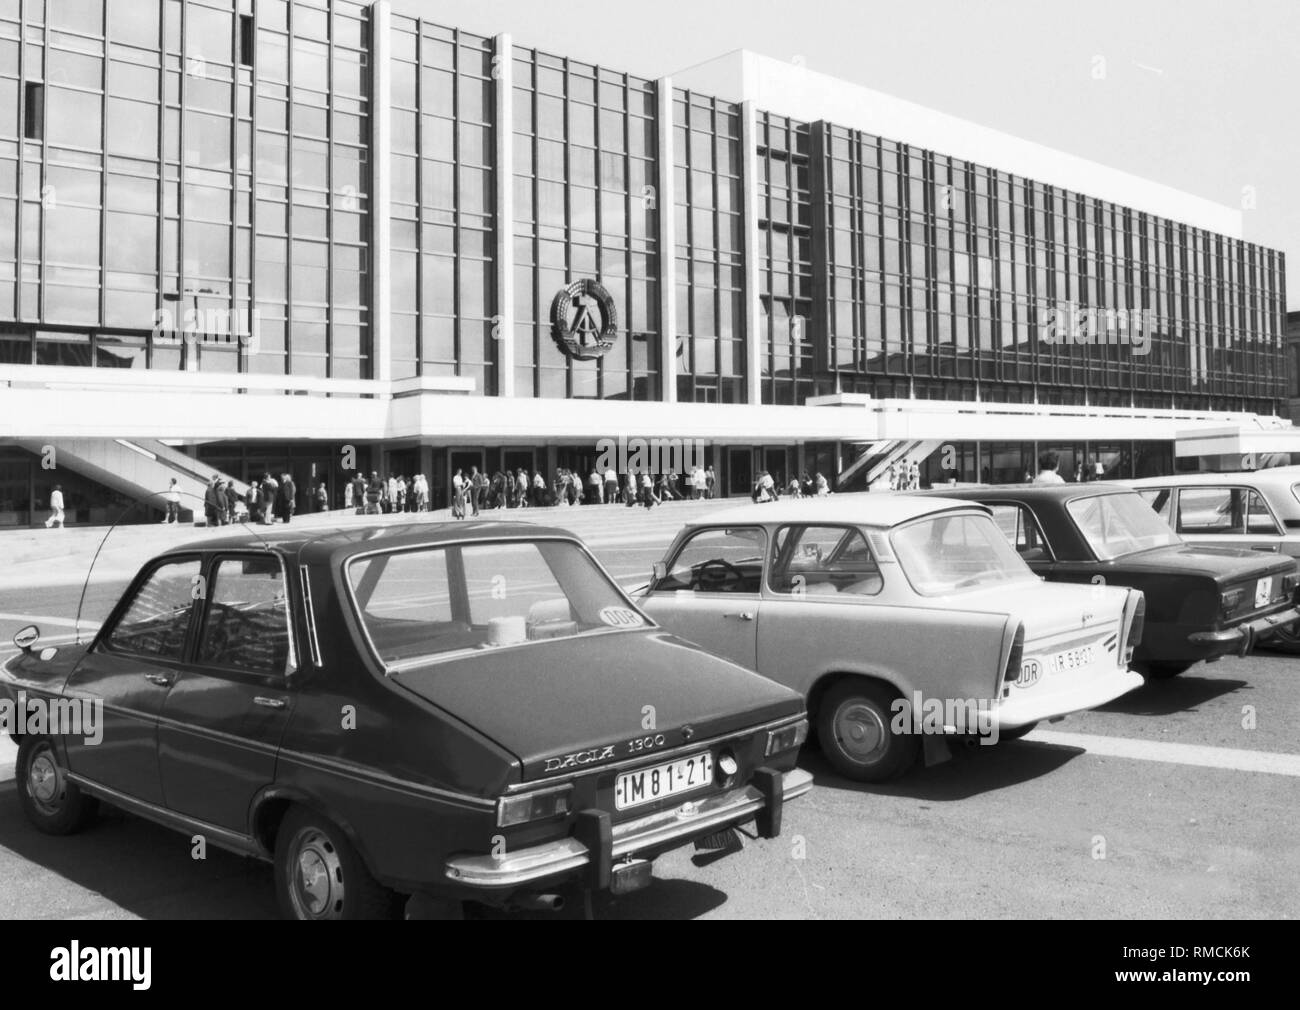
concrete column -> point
(755, 341)
(381, 168)
(665, 206)
(504, 324)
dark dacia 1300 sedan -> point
(1202, 602)
(456, 713)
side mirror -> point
(657, 572)
(27, 637)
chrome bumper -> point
(1243, 637)
(566, 856)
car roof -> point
(1281, 476)
(319, 545)
(879, 508)
(1030, 492)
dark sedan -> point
(1202, 602)
(451, 712)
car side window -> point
(1160, 499)
(1223, 510)
(823, 561)
(155, 622)
(1259, 520)
(718, 561)
(246, 622)
(1020, 527)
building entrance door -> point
(740, 471)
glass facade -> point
(187, 169)
(585, 164)
(943, 276)
(207, 166)
(709, 250)
(443, 204)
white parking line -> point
(1227, 758)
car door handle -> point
(744, 615)
(161, 679)
(268, 702)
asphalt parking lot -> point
(1177, 800)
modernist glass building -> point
(254, 232)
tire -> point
(853, 727)
(339, 886)
(52, 803)
(1156, 669)
(1017, 733)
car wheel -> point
(319, 875)
(853, 726)
(1163, 669)
(51, 802)
(1017, 733)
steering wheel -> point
(718, 576)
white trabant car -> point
(873, 606)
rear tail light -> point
(786, 738)
(1014, 661)
(536, 806)
(1230, 600)
(1291, 587)
(1135, 628)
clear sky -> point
(1198, 95)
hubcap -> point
(861, 732)
(45, 782)
(317, 885)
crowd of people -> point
(275, 497)
(766, 487)
(904, 476)
(269, 498)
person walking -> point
(539, 489)
(632, 490)
(710, 482)
(611, 485)
(288, 498)
(270, 491)
(232, 502)
(597, 485)
(212, 502)
(823, 486)
(374, 492)
(458, 495)
(172, 497)
(56, 509)
(347, 494)
(648, 497)
(322, 497)
(478, 488)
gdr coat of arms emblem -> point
(584, 321)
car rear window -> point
(435, 601)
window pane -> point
(156, 620)
(247, 621)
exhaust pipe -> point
(540, 902)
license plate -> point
(1072, 659)
(1263, 592)
(645, 785)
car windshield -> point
(951, 553)
(457, 598)
(1118, 524)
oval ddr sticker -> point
(620, 617)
